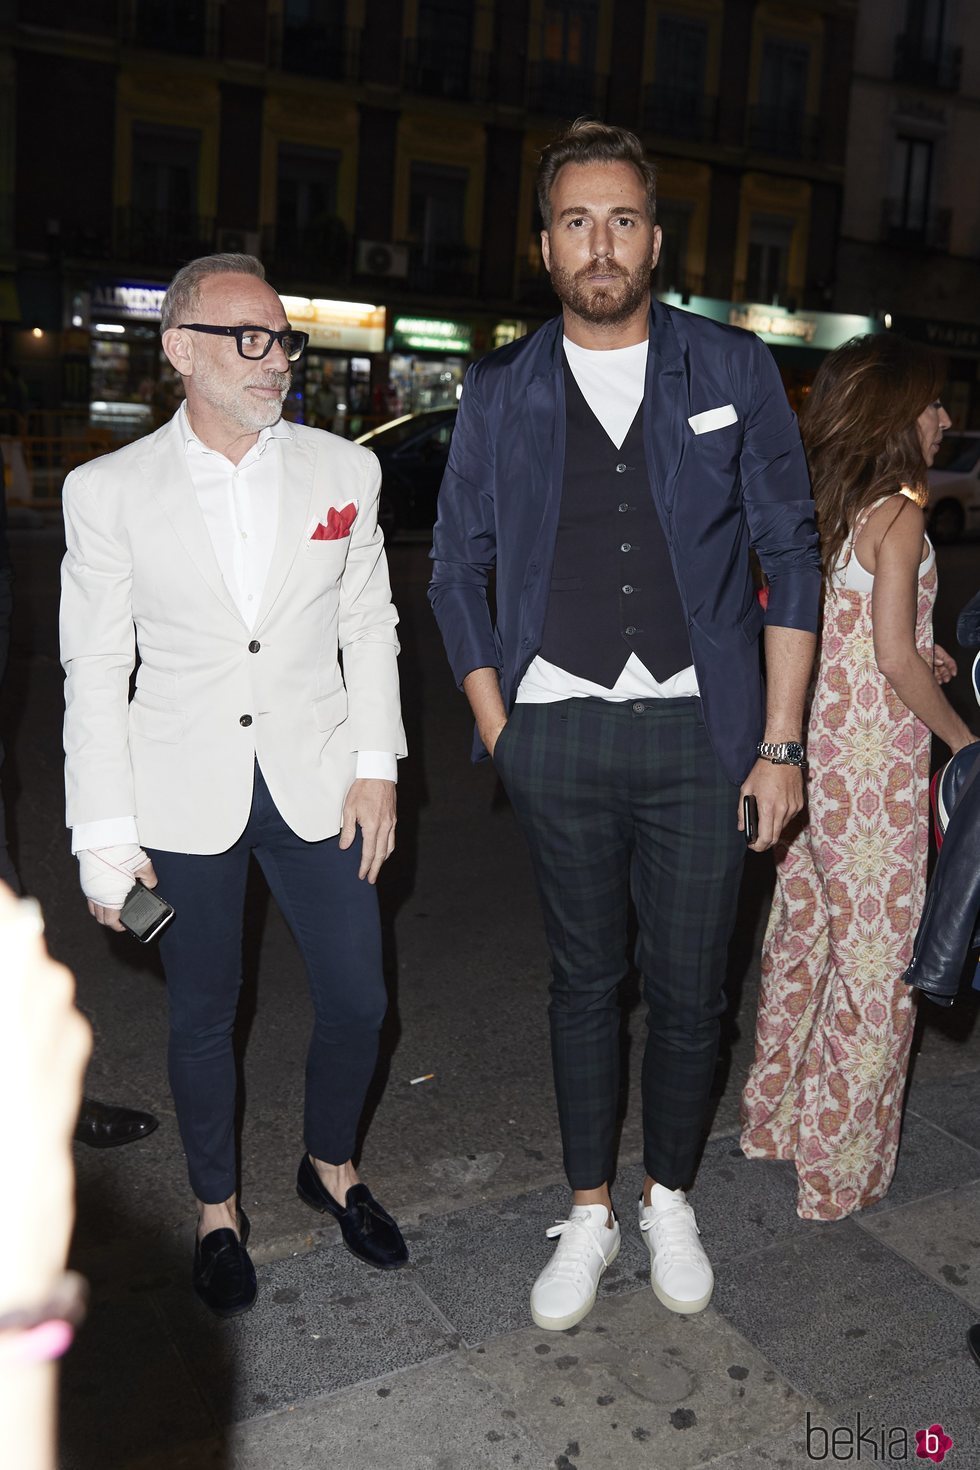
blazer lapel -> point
(170, 482)
(667, 403)
(295, 510)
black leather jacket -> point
(950, 924)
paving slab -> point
(439, 1416)
(953, 1104)
(838, 1313)
(322, 1321)
(939, 1235)
(744, 1205)
(636, 1386)
(930, 1161)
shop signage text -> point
(428, 334)
(351, 326)
(129, 299)
(821, 329)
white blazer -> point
(211, 695)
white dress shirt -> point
(612, 384)
(240, 506)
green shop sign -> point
(823, 330)
(427, 334)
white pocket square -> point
(713, 418)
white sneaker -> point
(565, 1291)
(680, 1272)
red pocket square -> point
(338, 524)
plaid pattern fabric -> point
(614, 799)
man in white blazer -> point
(241, 556)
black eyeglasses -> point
(256, 342)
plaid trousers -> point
(613, 800)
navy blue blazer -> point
(717, 493)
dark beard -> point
(599, 306)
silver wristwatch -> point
(782, 752)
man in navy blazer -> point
(614, 470)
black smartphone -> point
(750, 818)
(144, 913)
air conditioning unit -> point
(238, 242)
(375, 258)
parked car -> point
(413, 451)
(954, 487)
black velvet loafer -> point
(224, 1277)
(101, 1125)
(369, 1232)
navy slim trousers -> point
(333, 916)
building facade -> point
(380, 156)
(910, 238)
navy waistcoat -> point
(613, 590)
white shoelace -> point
(673, 1234)
(578, 1242)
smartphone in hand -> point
(144, 914)
(750, 819)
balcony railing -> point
(188, 27)
(559, 88)
(925, 230)
(927, 65)
(151, 237)
(679, 114)
(315, 50)
(784, 133)
(319, 252)
(99, 16)
(443, 270)
(441, 69)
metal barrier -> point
(35, 465)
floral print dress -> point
(835, 1019)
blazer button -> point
(254, 646)
(627, 589)
(621, 469)
(245, 720)
(623, 506)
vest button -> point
(627, 589)
(626, 546)
(621, 469)
(245, 720)
(623, 506)
(254, 646)
(630, 631)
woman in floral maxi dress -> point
(835, 1020)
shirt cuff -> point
(376, 765)
(111, 832)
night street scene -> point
(490, 718)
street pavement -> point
(856, 1328)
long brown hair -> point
(859, 433)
